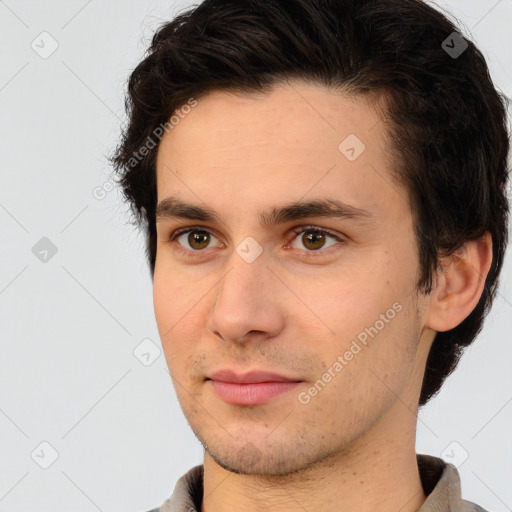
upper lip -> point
(252, 377)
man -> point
(322, 187)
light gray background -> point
(69, 326)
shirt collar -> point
(440, 481)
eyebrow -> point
(171, 207)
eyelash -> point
(301, 229)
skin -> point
(294, 314)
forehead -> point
(287, 112)
(278, 146)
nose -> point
(248, 302)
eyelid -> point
(311, 227)
(181, 231)
(317, 229)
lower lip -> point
(251, 394)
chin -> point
(250, 460)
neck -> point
(378, 473)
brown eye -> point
(192, 240)
(198, 239)
(313, 240)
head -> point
(242, 108)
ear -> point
(460, 284)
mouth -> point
(253, 388)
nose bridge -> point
(246, 298)
(246, 279)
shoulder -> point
(187, 495)
(468, 506)
(441, 484)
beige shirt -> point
(440, 480)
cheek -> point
(367, 376)
(170, 298)
(168, 312)
(370, 328)
(178, 315)
(343, 303)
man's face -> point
(334, 311)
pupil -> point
(195, 238)
(312, 237)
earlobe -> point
(460, 284)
